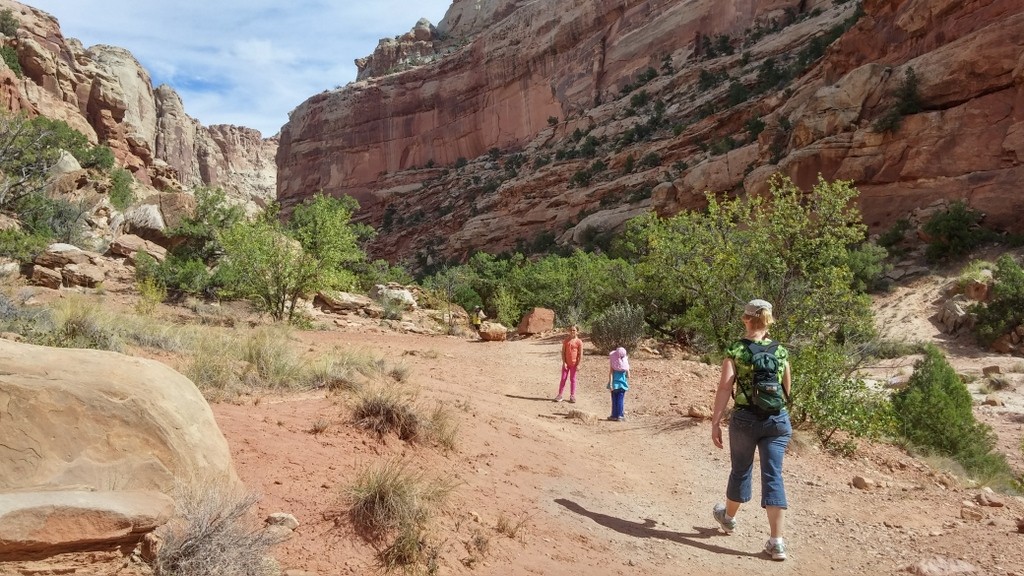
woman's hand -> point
(716, 434)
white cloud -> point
(243, 62)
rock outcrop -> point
(482, 145)
(104, 92)
(98, 420)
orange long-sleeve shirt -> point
(572, 351)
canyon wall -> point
(538, 121)
(104, 92)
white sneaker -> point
(558, 398)
(728, 524)
(776, 548)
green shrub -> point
(1005, 309)
(20, 246)
(9, 23)
(934, 412)
(101, 157)
(122, 195)
(908, 101)
(151, 293)
(974, 271)
(955, 232)
(10, 56)
(619, 325)
(50, 217)
(895, 234)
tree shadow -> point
(678, 424)
(647, 530)
(534, 398)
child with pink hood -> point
(618, 382)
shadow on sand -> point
(647, 529)
(534, 398)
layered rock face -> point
(524, 77)
(105, 93)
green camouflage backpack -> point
(764, 391)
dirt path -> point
(595, 497)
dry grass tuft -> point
(214, 534)
(512, 528)
(384, 409)
(443, 427)
(392, 499)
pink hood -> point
(619, 360)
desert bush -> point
(148, 333)
(151, 293)
(619, 325)
(393, 308)
(895, 234)
(887, 348)
(934, 412)
(384, 409)
(9, 23)
(20, 246)
(121, 193)
(956, 231)
(319, 426)
(10, 56)
(334, 373)
(77, 323)
(1005, 309)
(908, 101)
(975, 271)
(512, 528)
(214, 534)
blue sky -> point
(248, 62)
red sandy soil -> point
(601, 497)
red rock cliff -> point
(524, 77)
(105, 93)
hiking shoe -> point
(572, 399)
(727, 524)
(776, 548)
(558, 398)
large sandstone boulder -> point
(102, 420)
(536, 321)
(493, 332)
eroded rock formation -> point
(104, 92)
(484, 146)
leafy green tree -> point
(213, 214)
(26, 156)
(695, 270)
(323, 226)
(121, 193)
(267, 267)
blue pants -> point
(618, 403)
(769, 435)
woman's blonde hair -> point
(761, 319)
